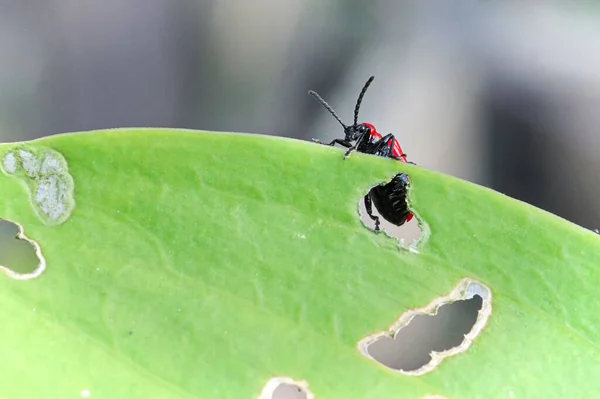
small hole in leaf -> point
(20, 257)
(288, 391)
(286, 388)
(386, 206)
(422, 338)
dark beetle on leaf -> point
(390, 198)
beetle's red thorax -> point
(375, 136)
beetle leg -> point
(334, 142)
(369, 208)
(364, 136)
(383, 145)
(341, 142)
(349, 152)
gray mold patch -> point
(49, 181)
(30, 163)
(52, 196)
(10, 163)
(52, 166)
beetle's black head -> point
(355, 131)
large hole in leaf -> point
(385, 209)
(20, 257)
(286, 388)
(422, 338)
(411, 348)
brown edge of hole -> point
(466, 289)
(38, 252)
(275, 382)
(421, 224)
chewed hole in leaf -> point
(386, 208)
(288, 391)
(286, 388)
(411, 348)
(20, 257)
(422, 338)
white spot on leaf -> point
(49, 181)
(10, 163)
(51, 197)
(30, 163)
(51, 166)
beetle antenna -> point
(327, 107)
(360, 98)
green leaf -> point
(185, 264)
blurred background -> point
(504, 94)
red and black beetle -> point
(390, 198)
